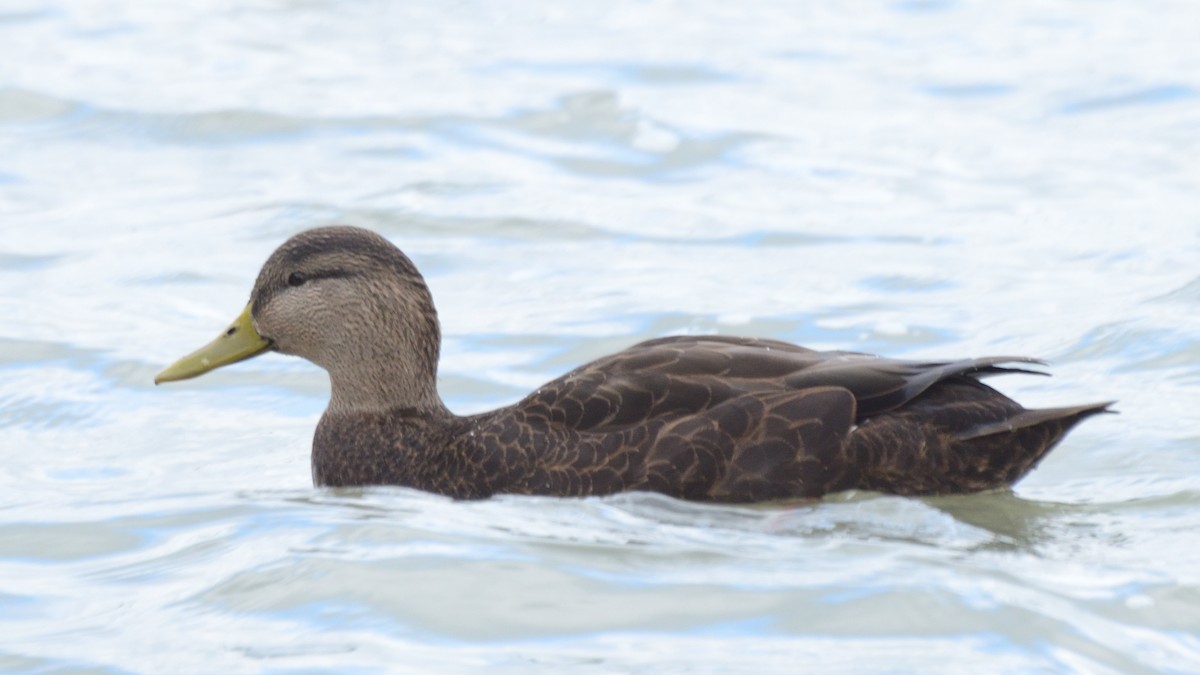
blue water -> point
(917, 179)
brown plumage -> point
(709, 418)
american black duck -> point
(709, 418)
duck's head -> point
(346, 299)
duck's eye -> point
(296, 279)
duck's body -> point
(704, 418)
(712, 419)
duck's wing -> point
(743, 420)
(672, 377)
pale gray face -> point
(339, 294)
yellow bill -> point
(239, 342)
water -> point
(919, 179)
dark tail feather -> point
(1065, 418)
(1013, 447)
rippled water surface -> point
(920, 179)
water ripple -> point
(876, 177)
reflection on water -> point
(887, 179)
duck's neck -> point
(375, 383)
(366, 393)
(387, 357)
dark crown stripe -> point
(349, 241)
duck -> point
(709, 418)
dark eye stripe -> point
(300, 278)
(264, 296)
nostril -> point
(231, 331)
